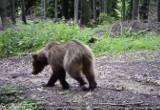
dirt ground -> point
(125, 81)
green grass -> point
(32, 37)
(150, 42)
(28, 38)
(12, 99)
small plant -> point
(12, 99)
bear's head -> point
(39, 62)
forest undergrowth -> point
(25, 39)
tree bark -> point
(144, 9)
(13, 11)
(94, 10)
(23, 12)
(135, 9)
(100, 6)
(159, 11)
(56, 10)
(123, 10)
(45, 9)
(86, 9)
(65, 6)
(153, 10)
(3, 13)
(105, 6)
(76, 7)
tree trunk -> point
(29, 4)
(135, 9)
(101, 6)
(56, 10)
(109, 6)
(65, 10)
(13, 11)
(153, 10)
(76, 7)
(3, 13)
(144, 9)
(105, 7)
(123, 10)
(94, 10)
(45, 9)
(129, 12)
(86, 9)
(23, 12)
(159, 11)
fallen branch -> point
(125, 104)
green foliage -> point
(150, 41)
(38, 11)
(106, 19)
(11, 99)
(28, 38)
(32, 37)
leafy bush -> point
(105, 19)
(32, 37)
(27, 38)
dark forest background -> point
(82, 11)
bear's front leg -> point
(52, 80)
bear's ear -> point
(34, 56)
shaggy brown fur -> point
(72, 57)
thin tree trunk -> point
(123, 10)
(159, 11)
(135, 9)
(13, 12)
(109, 6)
(105, 7)
(56, 10)
(3, 13)
(45, 9)
(42, 9)
(100, 6)
(94, 10)
(76, 6)
(131, 5)
(65, 6)
(23, 12)
(153, 10)
(86, 9)
(144, 9)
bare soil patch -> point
(125, 81)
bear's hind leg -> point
(75, 73)
(89, 73)
(80, 81)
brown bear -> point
(72, 57)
